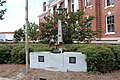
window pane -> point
(87, 2)
(109, 28)
(112, 2)
(112, 26)
(110, 23)
(108, 2)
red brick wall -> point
(114, 10)
(89, 11)
(103, 12)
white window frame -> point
(86, 3)
(107, 6)
(107, 26)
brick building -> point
(106, 12)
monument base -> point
(67, 61)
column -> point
(51, 10)
(66, 4)
(76, 5)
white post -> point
(59, 31)
(26, 35)
(60, 34)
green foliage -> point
(2, 12)
(5, 53)
(74, 27)
(32, 31)
(116, 50)
(48, 29)
(19, 35)
(18, 54)
(39, 47)
(99, 58)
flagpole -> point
(26, 35)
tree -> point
(19, 35)
(48, 29)
(2, 12)
(32, 31)
(74, 26)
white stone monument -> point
(59, 61)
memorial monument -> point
(57, 59)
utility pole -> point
(26, 35)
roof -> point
(6, 32)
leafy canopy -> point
(2, 12)
(74, 26)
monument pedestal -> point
(67, 61)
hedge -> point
(5, 53)
(100, 57)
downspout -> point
(98, 5)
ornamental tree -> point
(32, 31)
(48, 29)
(19, 35)
(75, 27)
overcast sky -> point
(15, 15)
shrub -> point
(5, 53)
(39, 47)
(18, 54)
(99, 58)
(116, 50)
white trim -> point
(90, 6)
(107, 26)
(46, 12)
(108, 6)
(116, 38)
(109, 33)
(55, 2)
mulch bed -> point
(11, 70)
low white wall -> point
(58, 62)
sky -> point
(15, 15)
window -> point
(72, 60)
(87, 3)
(72, 5)
(40, 58)
(109, 2)
(110, 23)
